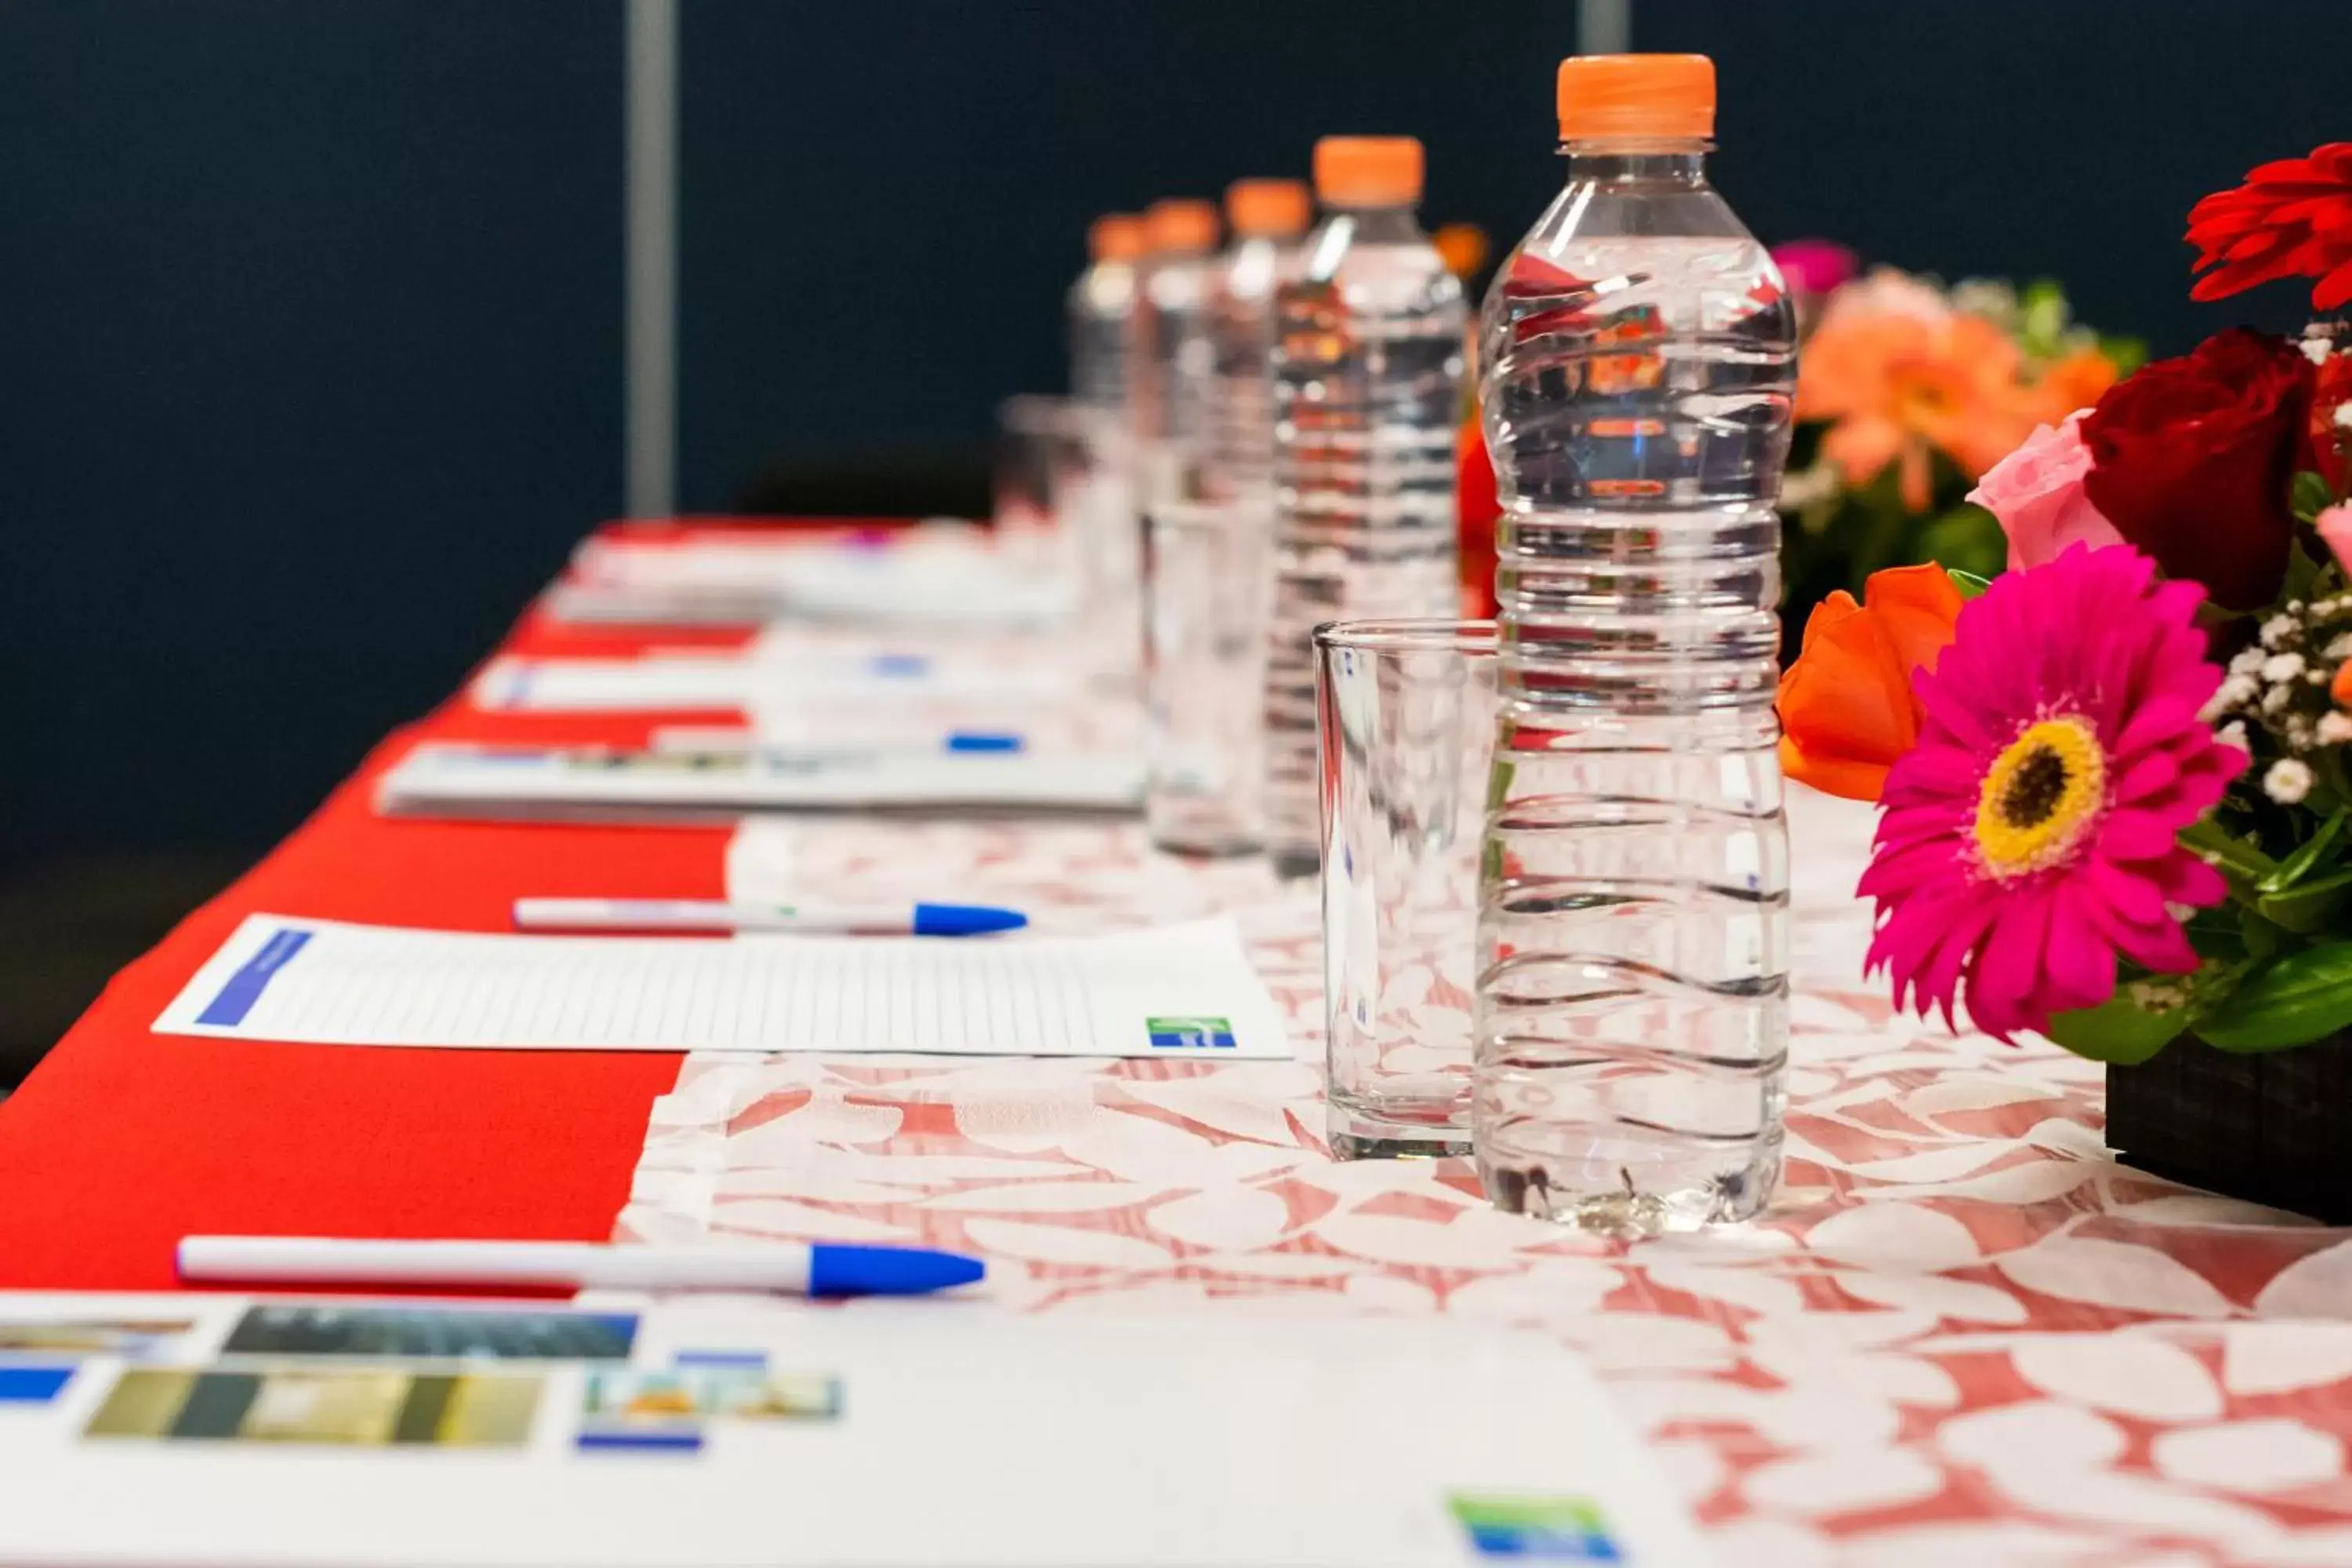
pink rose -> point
(2037, 493)
(2334, 526)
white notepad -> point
(569, 784)
(745, 680)
(1172, 990)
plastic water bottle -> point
(1108, 546)
(1168, 353)
(1210, 553)
(1367, 387)
(1266, 218)
(1638, 363)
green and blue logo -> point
(1191, 1034)
(1550, 1528)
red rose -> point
(2190, 460)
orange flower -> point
(1846, 707)
(2072, 382)
(1899, 385)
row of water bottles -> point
(1273, 429)
(1276, 422)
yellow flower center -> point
(2040, 796)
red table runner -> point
(124, 1141)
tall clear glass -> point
(1638, 365)
(1407, 731)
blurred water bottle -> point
(1367, 387)
(1210, 559)
(1266, 218)
(1108, 546)
(1168, 353)
(1638, 361)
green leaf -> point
(2241, 862)
(2310, 908)
(2118, 1030)
(2303, 572)
(2306, 856)
(2309, 496)
(1968, 582)
(2302, 997)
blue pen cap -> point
(888, 1271)
(965, 919)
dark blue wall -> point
(310, 309)
(309, 314)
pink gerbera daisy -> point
(2031, 835)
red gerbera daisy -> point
(2292, 218)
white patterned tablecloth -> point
(1961, 1335)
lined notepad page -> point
(1183, 990)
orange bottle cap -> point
(1636, 98)
(1115, 236)
(1268, 209)
(1368, 171)
(1181, 224)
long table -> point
(1962, 1334)
(121, 1141)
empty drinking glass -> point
(1405, 716)
(1208, 592)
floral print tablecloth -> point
(1963, 1334)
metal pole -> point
(1604, 26)
(652, 240)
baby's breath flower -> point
(2287, 780)
(2232, 733)
(2278, 628)
(2235, 692)
(2248, 662)
(2281, 666)
(2275, 700)
(2335, 729)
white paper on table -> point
(955, 585)
(1172, 991)
(572, 784)
(968, 1437)
(751, 679)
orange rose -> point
(1846, 706)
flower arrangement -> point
(1907, 392)
(2113, 780)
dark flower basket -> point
(2272, 1127)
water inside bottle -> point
(1638, 368)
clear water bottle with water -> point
(1368, 386)
(1266, 218)
(1168, 353)
(1109, 547)
(1638, 363)
(1211, 552)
